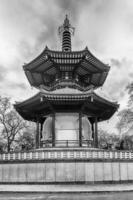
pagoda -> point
(66, 109)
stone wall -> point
(68, 171)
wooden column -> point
(92, 129)
(80, 129)
(41, 129)
(96, 134)
(37, 135)
(53, 130)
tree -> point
(125, 121)
(11, 123)
(102, 138)
(125, 116)
(107, 140)
(26, 140)
(129, 89)
(2, 145)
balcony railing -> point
(67, 154)
(67, 143)
(70, 82)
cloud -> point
(72, 7)
(26, 27)
(116, 62)
(105, 26)
(2, 73)
(118, 78)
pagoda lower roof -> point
(44, 104)
(52, 67)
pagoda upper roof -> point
(58, 69)
(43, 104)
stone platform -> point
(56, 166)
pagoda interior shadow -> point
(66, 111)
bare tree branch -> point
(10, 120)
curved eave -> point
(46, 103)
(41, 57)
(47, 53)
(111, 103)
(110, 109)
(55, 55)
(96, 61)
(27, 108)
(58, 96)
(49, 63)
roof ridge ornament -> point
(66, 23)
(86, 48)
(46, 47)
(66, 30)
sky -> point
(105, 26)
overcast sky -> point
(27, 26)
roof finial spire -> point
(65, 31)
(66, 23)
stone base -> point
(66, 166)
(66, 172)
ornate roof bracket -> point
(42, 97)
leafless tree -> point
(11, 123)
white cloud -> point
(106, 27)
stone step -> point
(63, 188)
